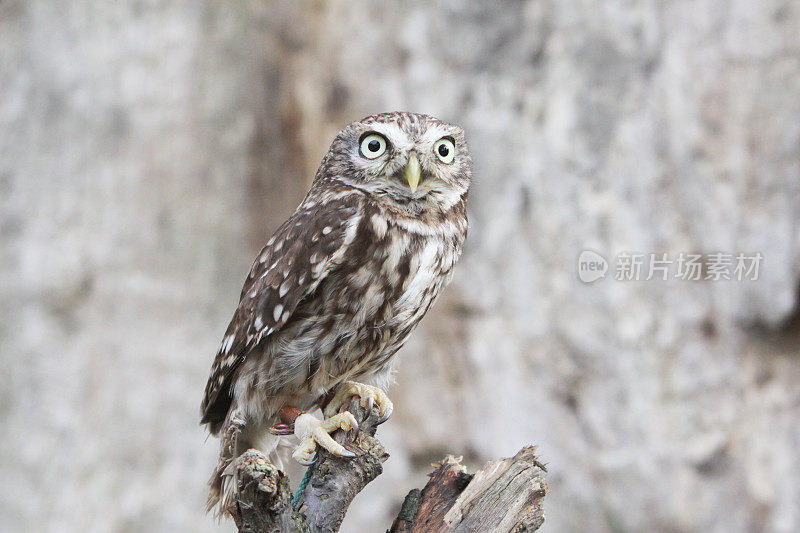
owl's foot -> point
(369, 396)
(312, 432)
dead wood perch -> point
(504, 495)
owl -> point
(337, 290)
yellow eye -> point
(373, 145)
(445, 150)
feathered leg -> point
(236, 437)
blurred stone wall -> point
(147, 150)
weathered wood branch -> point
(335, 481)
(503, 496)
(264, 500)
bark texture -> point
(265, 501)
(503, 496)
(336, 481)
(148, 149)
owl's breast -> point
(397, 280)
(367, 306)
(421, 281)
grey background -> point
(148, 149)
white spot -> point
(362, 277)
(279, 246)
(276, 313)
(379, 225)
(326, 230)
(398, 247)
(227, 342)
(259, 323)
(271, 240)
(422, 272)
(315, 257)
(412, 225)
(284, 288)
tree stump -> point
(503, 496)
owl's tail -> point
(235, 439)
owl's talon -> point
(306, 451)
(386, 416)
(313, 432)
(368, 397)
(353, 423)
(308, 462)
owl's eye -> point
(373, 145)
(445, 150)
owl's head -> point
(413, 160)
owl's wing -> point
(294, 261)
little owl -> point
(338, 289)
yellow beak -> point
(413, 171)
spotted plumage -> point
(342, 283)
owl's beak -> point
(412, 172)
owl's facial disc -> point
(415, 162)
